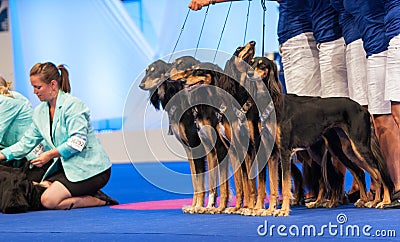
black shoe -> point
(395, 201)
(102, 196)
(354, 196)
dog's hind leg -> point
(238, 180)
(273, 182)
(223, 165)
(340, 147)
(298, 185)
(286, 183)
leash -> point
(201, 31)
(222, 32)
(177, 41)
(247, 21)
(263, 29)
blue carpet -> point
(127, 186)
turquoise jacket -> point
(82, 155)
(15, 119)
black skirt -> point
(86, 187)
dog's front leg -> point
(273, 182)
(197, 168)
(286, 184)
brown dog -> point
(301, 121)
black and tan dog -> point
(237, 126)
(205, 102)
(301, 121)
(182, 125)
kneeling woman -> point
(80, 167)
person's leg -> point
(332, 60)
(301, 65)
(392, 93)
(385, 125)
(57, 196)
(356, 65)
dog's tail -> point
(380, 161)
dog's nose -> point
(142, 85)
(250, 73)
(253, 43)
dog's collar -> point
(267, 112)
(241, 113)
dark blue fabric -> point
(349, 29)
(294, 19)
(392, 18)
(325, 21)
(369, 17)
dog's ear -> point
(155, 99)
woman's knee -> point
(48, 201)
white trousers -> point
(332, 59)
(356, 64)
(392, 91)
(301, 65)
(376, 76)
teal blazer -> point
(82, 155)
(15, 118)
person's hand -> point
(2, 157)
(44, 157)
(198, 4)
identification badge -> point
(39, 149)
(77, 142)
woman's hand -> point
(198, 4)
(43, 158)
(2, 157)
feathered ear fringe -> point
(5, 92)
(8, 84)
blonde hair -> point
(5, 87)
(49, 72)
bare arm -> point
(198, 4)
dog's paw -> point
(267, 212)
(370, 204)
(258, 212)
(316, 204)
(282, 212)
(360, 203)
(381, 205)
(246, 211)
(231, 210)
(200, 210)
(330, 204)
(188, 209)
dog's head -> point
(264, 71)
(155, 75)
(181, 67)
(204, 73)
(240, 59)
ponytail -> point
(64, 79)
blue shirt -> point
(349, 29)
(325, 21)
(294, 19)
(369, 17)
(392, 18)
